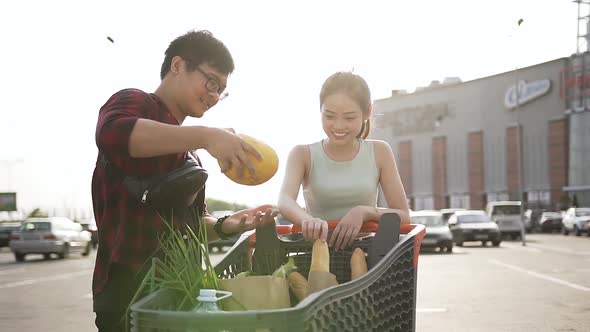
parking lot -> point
(543, 286)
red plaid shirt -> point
(127, 229)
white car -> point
(46, 236)
(506, 214)
(576, 220)
(550, 221)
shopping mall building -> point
(463, 144)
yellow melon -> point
(265, 168)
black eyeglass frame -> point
(212, 84)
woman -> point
(341, 174)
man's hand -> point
(248, 219)
(347, 229)
(231, 150)
(314, 228)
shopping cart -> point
(384, 299)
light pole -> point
(519, 146)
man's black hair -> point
(199, 47)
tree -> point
(564, 201)
(38, 213)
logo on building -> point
(526, 92)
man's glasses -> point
(212, 85)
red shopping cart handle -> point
(368, 227)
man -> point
(140, 134)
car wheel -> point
(449, 249)
(65, 252)
(19, 257)
(484, 243)
(496, 243)
(577, 231)
(564, 230)
(46, 256)
(460, 244)
(87, 250)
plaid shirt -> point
(127, 229)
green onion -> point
(184, 266)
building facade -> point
(508, 136)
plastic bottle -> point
(208, 300)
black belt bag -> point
(178, 188)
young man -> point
(140, 134)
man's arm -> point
(152, 138)
(209, 223)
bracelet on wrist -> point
(218, 229)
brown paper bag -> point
(318, 280)
(255, 293)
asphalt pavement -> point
(543, 286)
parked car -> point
(474, 225)
(438, 234)
(506, 214)
(550, 221)
(446, 213)
(576, 220)
(6, 230)
(46, 236)
(531, 219)
(90, 226)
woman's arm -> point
(292, 181)
(391, 184)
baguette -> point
(298, 285)
(358, 264)
(320, 257)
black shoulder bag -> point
(175, 189)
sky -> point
(59, 68)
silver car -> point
(438, 234)
(47, 236)
(474, 225)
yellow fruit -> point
(265, 168)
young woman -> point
(341, 174)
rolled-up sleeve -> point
(116, 121)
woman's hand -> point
(248, 219)
(314, 228)
(347, 229)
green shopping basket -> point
(384, 299)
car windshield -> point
(473, 218)
(36, 226)
(582, 212)
(428, 220)
(506, 210)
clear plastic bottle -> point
(208, 300)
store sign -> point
(527, 91)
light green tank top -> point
(334, 187)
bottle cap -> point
(207, 295)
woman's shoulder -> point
(377, 144)
(300, 151)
